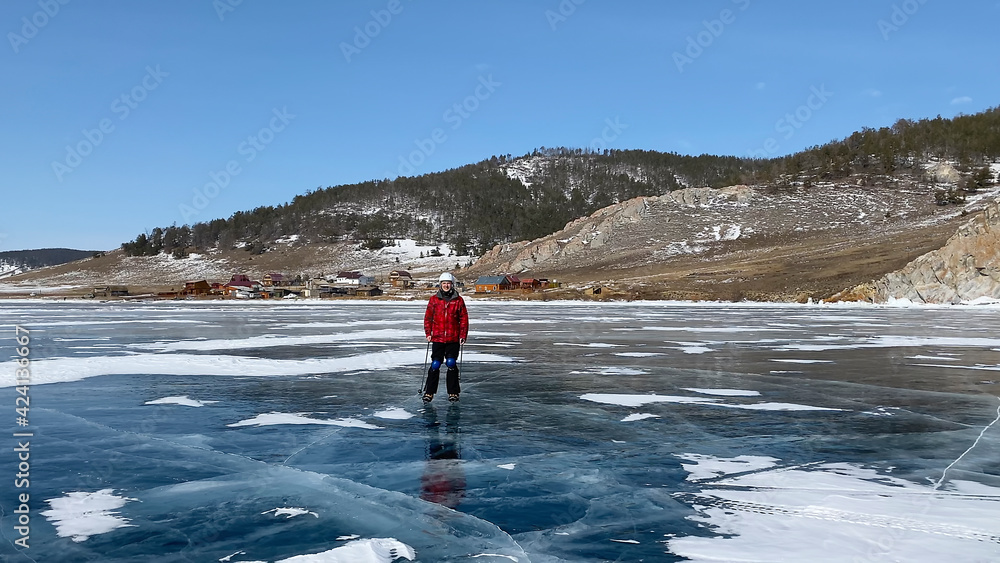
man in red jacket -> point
(446, 325)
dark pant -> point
(440, 351)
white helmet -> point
(446, 277)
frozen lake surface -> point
(643, 431)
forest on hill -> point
(39, 258)
(477, 206)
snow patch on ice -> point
(59, 370)
(724, 392)
(275, 418)
(182, 400)
(935, 358)
(696, 349)
(79, 515)
(711, 467)
(833, 512)
(272, 340)
(639, 416)
(394, 413)
(290, 512)
(776, 407)
(375, 550)
(622, 371)
(894, 341)
(639, 400)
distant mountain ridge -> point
(14, 262)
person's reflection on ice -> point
(443, 481)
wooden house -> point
(401, 278)
(273, 279)
(200, 287)
(530, 284)
(493, 284)
(368, 291)
(327, 291)
(111, 291)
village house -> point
(240, 280)
(110, 291)
(493, 284)
(273, 279)
(367, 291)
(353, 278)
(401, 278)
(241, 286)
(200, 287)
(531, 284)
(328, 291)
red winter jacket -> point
(446, 320)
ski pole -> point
(423, 382)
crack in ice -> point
(952, 464)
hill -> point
(14, 262)
(505, 199)
(646, 224)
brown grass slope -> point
(699, 243)
(740, 243)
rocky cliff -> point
(793, 244)
(585, 236)
(966, 268)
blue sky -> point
(124, 116)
